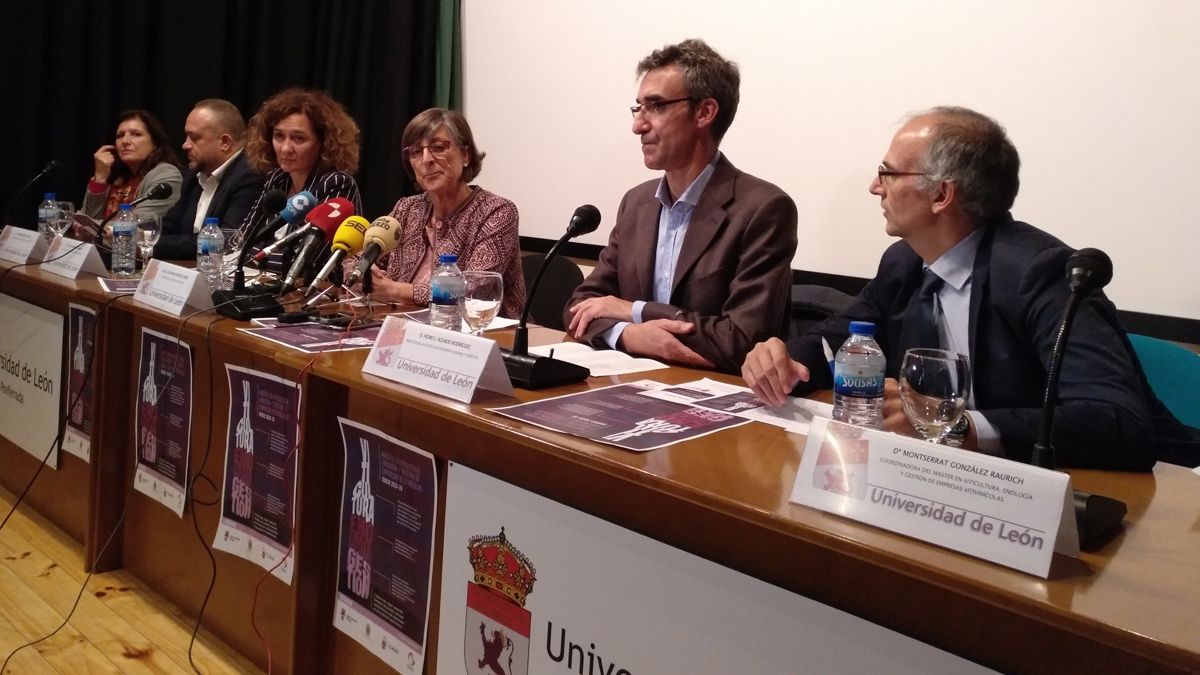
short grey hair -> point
(706, 74)
(227, 116)
(974, 151)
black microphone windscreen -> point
(273, 201)
(585, 220)
(52, 167)
(160, 191)
(1089, 269)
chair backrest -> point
(812, 304)
(562, 278)
(1173, 373)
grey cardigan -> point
(93, 203)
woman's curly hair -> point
(334, 127)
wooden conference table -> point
(1133, 606)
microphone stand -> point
(239, 303)
(537, 372)
(1097, 518)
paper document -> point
(601, 362)
(795, 415)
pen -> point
(828, 354)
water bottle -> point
(210, 260)
(446, 289)
(47, 210)
(858, 374)
(124, 229)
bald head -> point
(214, 130)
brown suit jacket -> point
(733, 277)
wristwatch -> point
(958, 433)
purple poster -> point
(81, 336)
(258, 494)
(164, 419)
(622, 415)
(385, 554)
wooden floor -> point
(118, 627)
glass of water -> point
(481, 299)
(149, 229)
(933, 390)
(62, 219)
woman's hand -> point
(384, 289)
(104, 158)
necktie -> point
(923, 313)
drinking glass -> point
(149, 229)
(481, 299)
(62, 219)
(229, 254)
(933, 390)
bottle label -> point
(857, 382)
(439, 295)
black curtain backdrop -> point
(72, 65)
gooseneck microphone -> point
(1096, 516)
(156, 191)
(52, 167)
(239, 303)
(536, 372)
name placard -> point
(437, 360)
(70, 258)
(171, 288)
(1005, 512)
(21, 246)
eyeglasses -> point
(438, 149)
(884, 172)
(651, 108)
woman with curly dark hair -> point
(140, 158)
(302, 139)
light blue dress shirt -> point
(673, 220)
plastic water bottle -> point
(446, 289)
(210, 259)
(858, 373)
(47, 210)
(124, 230)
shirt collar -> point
(690, 196)
(955, 266)
(215, 176)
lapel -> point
(645, 242)
(707, 220)
(980, 275)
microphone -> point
(383, 236)
(324, 220)
(346, 240)
(52, 167)
(332, 209)
(537, 372)
(1096, 516)
(156, 191)
(238, 303)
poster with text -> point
(385, 554)
(164, 419)
(81, 340)
(258, 493)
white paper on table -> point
(795, 415)
(601, 362)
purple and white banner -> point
(81, 339)
(164, 419)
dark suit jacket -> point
(734, 272)
(235, 194)
(1018, 292)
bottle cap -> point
(125, 207)
(447, 258)
(50, 196)
(862, 328)
(212, 221)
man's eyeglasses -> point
(438, 149)
(884, 172)
(651, 108)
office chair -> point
(562, 277)
(1173, 373)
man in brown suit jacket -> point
(706, 269)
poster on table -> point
(529, 585)
(258, 493)
(623, 416)
(385, 555)
(81, 340)
(31, 377)
(164, 419)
